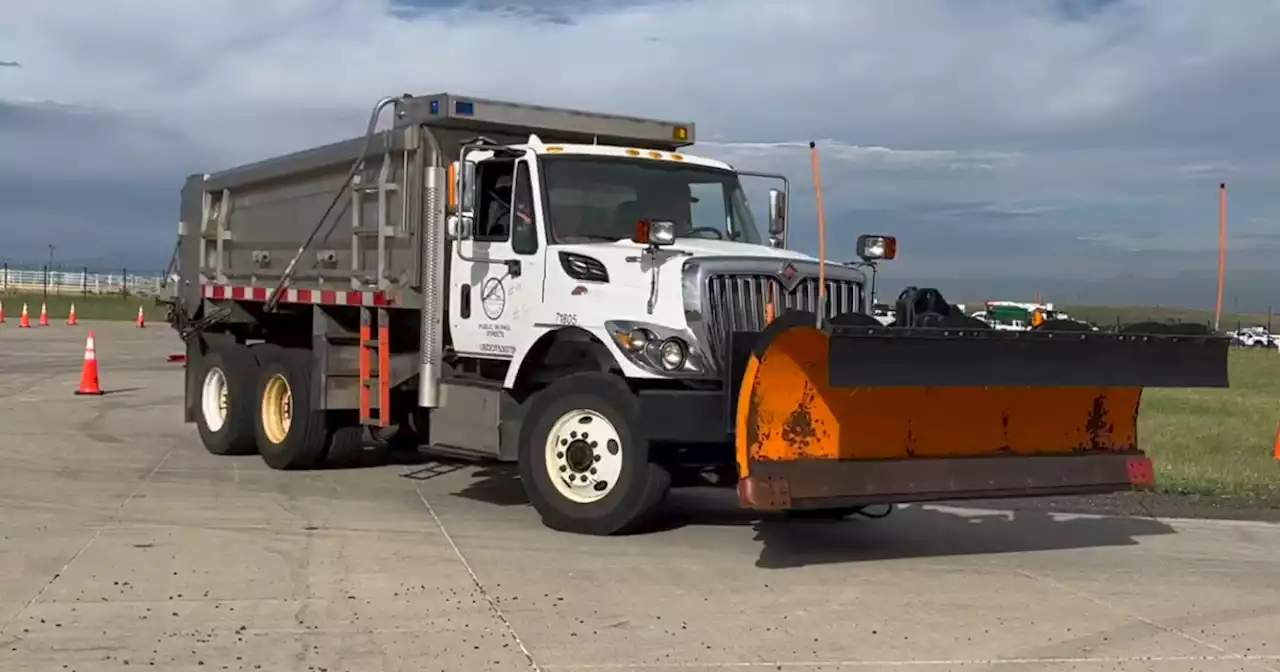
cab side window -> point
(524, 230)
(493, 221)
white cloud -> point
(871, 158)
(1015, 116)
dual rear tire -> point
(225, 408)
(257, 399)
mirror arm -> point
(481, 143)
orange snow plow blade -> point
(866, 414)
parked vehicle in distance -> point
(1255, 337)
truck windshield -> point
(602, 198)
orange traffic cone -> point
(1277, 444)
(25, 322)
(44, 315)
(71, 316)
(1, 312)
(89, 374)
(141, 322)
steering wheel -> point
(712, 229)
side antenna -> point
(822, 237)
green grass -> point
(88, 307)
(1217, 442)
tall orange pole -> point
(1222, 252)
(822, 237)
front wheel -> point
(584, 464)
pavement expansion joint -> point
(475, 579)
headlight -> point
(672, 354)
(657, 348)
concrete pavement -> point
(124, 544)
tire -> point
(289, 433)
(226, 407)
(554, 416)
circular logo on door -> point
(493, 298)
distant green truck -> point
(1015, 316)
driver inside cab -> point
(657, 201)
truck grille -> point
(736, 302)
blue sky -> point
(1038, 138)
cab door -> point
(497, 272)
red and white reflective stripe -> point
(328, 297)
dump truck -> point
(575, 293)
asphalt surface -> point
(123, 544)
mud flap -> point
(871, 414)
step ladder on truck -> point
(572, 292)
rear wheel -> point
(225, 411)
(584, 464)
(289, 432)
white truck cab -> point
(656, 254)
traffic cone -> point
(89, 373)
(25, 322)
(1, 312)
(141, 322)
(44, 315)
(1277, 449)
(71, 316)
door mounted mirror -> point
(466, 187)
(777, 216)
(462, 200)
(777, 212)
